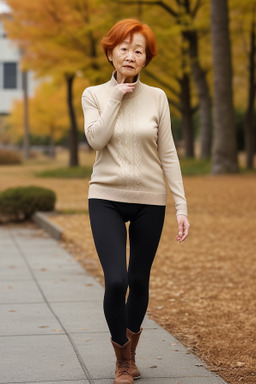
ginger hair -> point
(127, 27)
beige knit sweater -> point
(134, 145)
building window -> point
(10, 76)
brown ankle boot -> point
(123, 363)
(134, 337)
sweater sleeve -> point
(99, 127)
(169, 158)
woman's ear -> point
(110, 56)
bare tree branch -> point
(161, 82)
(159, 3)
(175, 105)
(76, 42)
(167, 86)
(179, 2)
(196, 8)
(187, 6)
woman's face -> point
(129, 57)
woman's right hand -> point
(183, 228)
(125, 87)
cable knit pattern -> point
(134, 146)
(128, 150)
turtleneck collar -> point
(137, 83)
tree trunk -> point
(73, 133)
(249, 132)
(224, 146)
(26, 139)
(203, 95)
(52, 152)
(186, 117)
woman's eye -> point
(123, 49)
(139, 52)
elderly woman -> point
(128, 124)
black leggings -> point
(108, 220)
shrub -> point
(17, 204)
(8, 157)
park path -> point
(52, 327)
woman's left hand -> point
(183, 228)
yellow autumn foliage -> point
(47, 112)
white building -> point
(11, 86)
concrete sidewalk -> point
(52, 327)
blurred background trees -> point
(243, 27)
(225, 146)
(60, 41)
(58, 38)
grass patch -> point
(73, 211)
(189, 167)
(67, 173)
(194, 167)
(247, 171)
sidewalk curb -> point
(41, 219)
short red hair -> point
(122, 29)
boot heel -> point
(134, 337)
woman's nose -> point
(130, 56)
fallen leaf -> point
(240, 364)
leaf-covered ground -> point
(203, 291)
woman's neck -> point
(120, 79)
